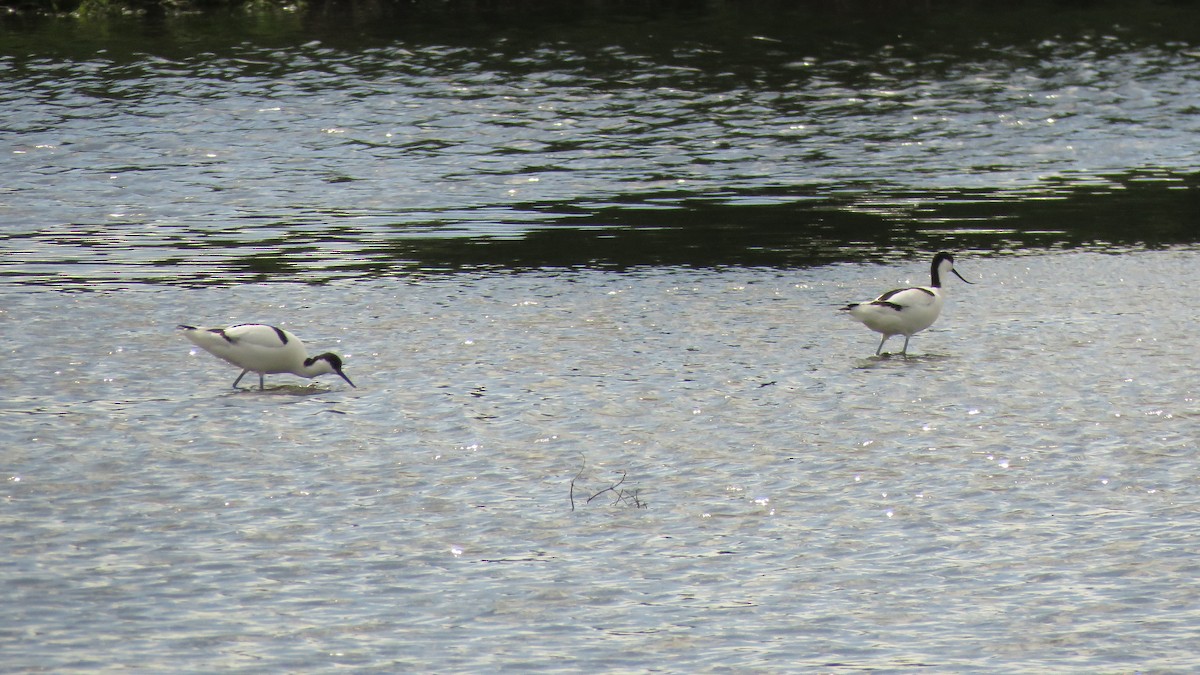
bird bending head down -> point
(262, 349)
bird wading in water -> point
(907, 311)
(262, 349)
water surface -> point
(1015, 494)
(585, 269)
(321, 153)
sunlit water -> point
(1018, 493)
(609, 417)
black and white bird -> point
(257, 348)
(906, 311)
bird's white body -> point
(906, 311)
(262, 349)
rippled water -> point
(335, 158)
(1017, 494)
(586, 275)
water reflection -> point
(773, 229)
(207, 151)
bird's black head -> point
(943, 262)
(335, 365)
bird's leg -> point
(880, 348)
(239, 378)
(260, 382)
(904, 352)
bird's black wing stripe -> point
(281, 334)
(893, 292)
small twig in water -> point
(612, 487)
(627, 497)
(572, 493)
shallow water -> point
(1015, 494)
(586, 273)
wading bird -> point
(256, 348)
(906, 311)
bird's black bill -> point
(960, 276)
(343, 376)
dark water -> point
(323, 147)
(597, 250)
